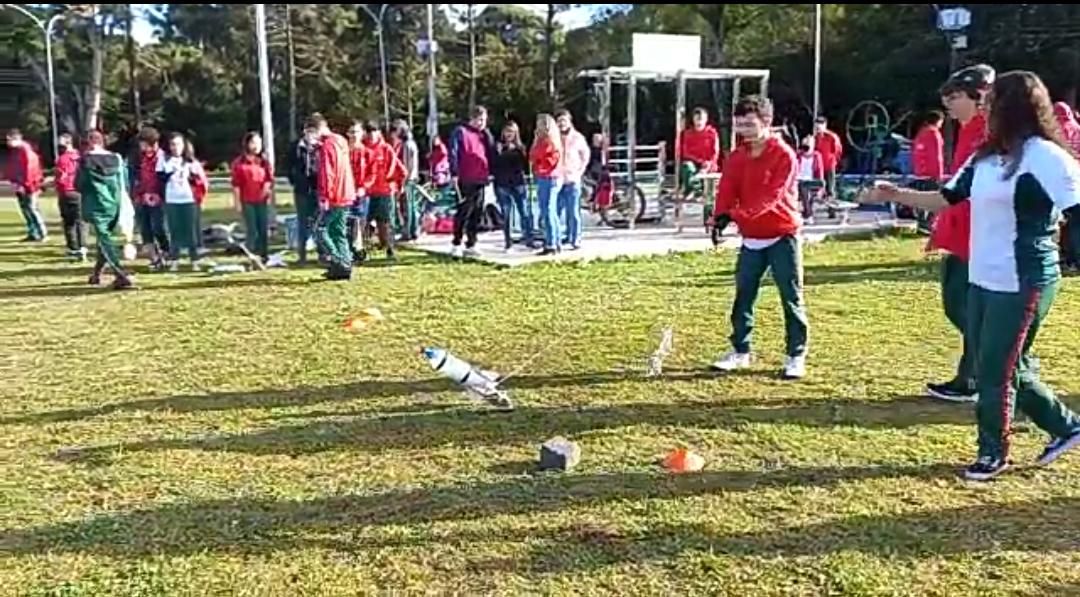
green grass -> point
(225, 436)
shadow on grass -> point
(434, 429)
(153, 283)
(823, 275)
(268, 525)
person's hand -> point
(881, 192)
(720, 222)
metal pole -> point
(817, 60)
(736, 91)
(378, 18)
(680, 124)
(433, 110)
(631, 141)
(264, 82)
(52, 86)
(605, 117)
(472, 57)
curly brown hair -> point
(1020, 108)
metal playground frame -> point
(632, 166)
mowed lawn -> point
(226, 436)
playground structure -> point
(639, 172)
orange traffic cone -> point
(683, 461)
(362, 320)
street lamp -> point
(378, 18)
(46, 30)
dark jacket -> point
(471, 153)
(510, 166)
(301, 164)
(101, 180)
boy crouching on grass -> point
(758, 192)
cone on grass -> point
(683, 461)
(362, 320)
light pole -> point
(264, 82)
(378, 18)
(46, 30)
(433, 110)
(817, 61)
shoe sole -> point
(984, 476)
(953, 398)
(1049, 459)
(727, 369)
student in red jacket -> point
(148, 195)
(67, 165)
(253, 183)
(832, 149)
(545, 157)
(335, 191)
(387, 177)
(698, 151)
(963, 96)
(26, 177)
(928, 161)
(360, 160)
(758, 192)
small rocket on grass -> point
(476, 383)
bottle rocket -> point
(477, 383)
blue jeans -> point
(570, 208)
(547, 192)
(515, 198)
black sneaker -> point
(985, 468)
(1057, 447)
(952, 391)
(391, 256)
(547, 252)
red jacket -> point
(760, 194)
(335, 182)
(387, 172)
(360, 160)
(148, 190)
(831, 148)
(24, 169)
(544, 158)
(67, 165)
(251, 174)
(701, 147)
(952, 227)
(928, 154)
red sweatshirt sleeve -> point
(775, 188)
(322, 180)
(727, 193)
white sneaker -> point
(732, 361)
(795, 367)
(456, 252)
(471, 252)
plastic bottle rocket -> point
(479, 384)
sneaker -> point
(123, 283)
(732, 361)
(1057, 447)
(456, 252)
(546, 252)
(202, 265)
(391, 256)
(508, 250)
(985, 468)
(471, 252)
(952, 391)
(94, 279)
(575, 247)
(795, 367)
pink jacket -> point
(575, 157)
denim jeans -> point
(515, 198)
(547, 192)
(570, 208)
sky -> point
(572, 19)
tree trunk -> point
(549, 53)
(93, 101)
(290, 62)
(133, 85)
(472, 57)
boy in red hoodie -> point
(698, 151)
(962, 95)
(148, 195)
(335, 191)
(67, 165)
(758, 192)
(359, 159)
(387, 176)
(928, 161)
(26, 177)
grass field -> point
(225, 436)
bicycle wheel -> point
(622, 208)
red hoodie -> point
(831, 148)
(1070, 129)
(24, 169)
(952, 227)
(701, 147)
(387, 173)
(928, 154)
(254, 177)
(66, 167)
(335, 182)
(148, 190)
(760, 194)
(360, 159)
(544, 158)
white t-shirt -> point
(806, 168)
(1013, 219)
(178, 188)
